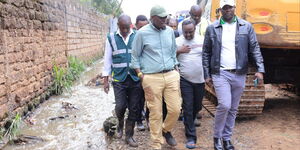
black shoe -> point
(119, 133)
(197, 123)
(129, 131)
(169, 138)
(218, 144)
(228, 145)
(131, 142)
(120, 127)
(140, 126)
(198, 116)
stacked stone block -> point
(35, 35)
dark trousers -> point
(142, 105)
(192, 95)
(128, 94)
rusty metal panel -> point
(276, 22)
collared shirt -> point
(222, 21)
(228, 54)
(108, 54)
(154, 50)
(191, 63)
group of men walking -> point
(152, 65)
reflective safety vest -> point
(202, 26)
(121, 57)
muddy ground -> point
(277, 128)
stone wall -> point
(35, 34)
(85, 32)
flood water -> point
(77, 128)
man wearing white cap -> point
(154, 60)
(228, 43)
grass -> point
(75, 68)
(64, 77)
(2, 131)
(14, 128)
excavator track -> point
(252, 100)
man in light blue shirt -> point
(154, 60)
(154, 50)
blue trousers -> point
(229, 88)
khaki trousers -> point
(157, 86)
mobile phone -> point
(255, 82)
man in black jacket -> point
(227, 45)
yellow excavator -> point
(277, 25)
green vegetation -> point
(2, 131)
(60, 80)
(109, 7)
(64, 77)
(75, 68)
(14, 128)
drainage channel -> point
(70, 121)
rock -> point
(68, 106)
(97, 81)
(110, 125)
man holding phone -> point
(228, 43)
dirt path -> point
(278, 128)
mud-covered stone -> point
(31, 14)
(29, 4)
(18, 3)
(3, 112)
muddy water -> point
(81, 128)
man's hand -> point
(259, 76)
(183, 49)
(106, 85)
(208, 80)
(141, 77)
(139, 74)
(176, 68)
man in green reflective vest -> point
(126, 84)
